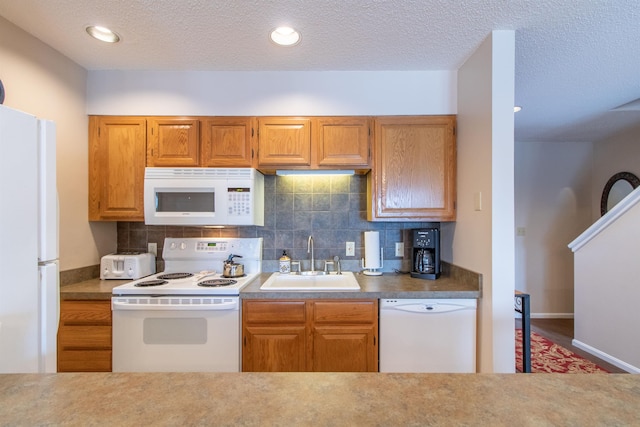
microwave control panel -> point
(239, 201)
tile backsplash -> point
(332, 209)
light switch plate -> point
(152, 248)
(350, 249)
(477, 201)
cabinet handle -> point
(245, 341)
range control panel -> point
(211, 246)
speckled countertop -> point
(454, 283)
(389, 285)
(319, 399)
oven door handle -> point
(171, 304)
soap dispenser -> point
(285, 263)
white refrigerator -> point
(29, 273)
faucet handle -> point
(336, 260)
(326, 264)
(295, 263)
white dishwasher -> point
(428, 335)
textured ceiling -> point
(575, 60)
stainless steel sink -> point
(320, 281)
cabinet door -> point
(274, 349)
(173, 142)
(84, 336)
(344, 349)
(117, 151)
(274, 336)
(342, 142)
(284, 141)
(413, 176)
(227, 142)
(345, 335)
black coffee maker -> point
(425, 254)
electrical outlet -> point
(521, 231)
(400, 249)
(351, 249)
(152, 248)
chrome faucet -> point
(310, 250)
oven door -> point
(176, 334)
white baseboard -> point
(546, 315)
(607, 358)
(552, 315)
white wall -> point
(42, 82)
(553, 206)
(620, 153)
(482, 238)
(607, 286)
(271, 93)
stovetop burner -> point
(155, 282)
(214, 283)
(232, 277)
(174, 276)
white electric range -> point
(186, 318)
(194, 266)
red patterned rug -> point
(547, 357)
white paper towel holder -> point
(372, 271)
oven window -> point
(185, 201)
(174, 330)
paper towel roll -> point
(372, 249)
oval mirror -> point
(616, 189)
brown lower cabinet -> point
(84, 336)
(310, 335)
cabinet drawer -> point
(84, 361)
(345, 312)
(85, 313)
(274, 312)
(85, 337)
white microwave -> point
(203, 196)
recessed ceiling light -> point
(285, 36)
(103, 34)
(516, 109)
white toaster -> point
(127, 265)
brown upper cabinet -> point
(412, 159)
(117, 151)
(200, 142)
(414, 169)
(284, 141)
(227, 142)
(173, 142)
(313, 143)
(343, 142)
